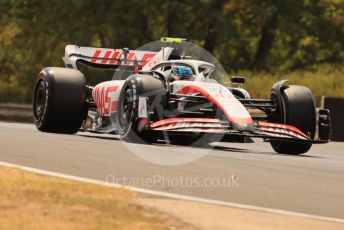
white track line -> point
(171, 195)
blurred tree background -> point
(264, 39)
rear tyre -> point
(59, 100)
(295, 107)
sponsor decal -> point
(107, 55)
(113, 57)
(105, 99)
(143, 107)
(96, 55)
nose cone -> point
(242, 127)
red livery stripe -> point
(114, 56)
(282, 126)
(180, 120)
(96, 55)
(196, 89)
(107, 55)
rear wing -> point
(113, 58)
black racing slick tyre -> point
(59, 100)
(295, 107)
(128, 121)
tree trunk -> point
(210, 39)
(266, 42)
(170, 18)
(211, 35)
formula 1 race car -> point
(165, 95)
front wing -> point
(266, 130)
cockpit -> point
(191, 70)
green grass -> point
(12, 92)
(327, 81)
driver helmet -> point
(180, 72)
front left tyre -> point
(129, 124)
(59, 100)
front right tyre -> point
(295, 107)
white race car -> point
(166, 96)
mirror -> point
(238, 80)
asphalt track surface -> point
(312, 183)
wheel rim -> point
(126, 110)
(40, 99)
